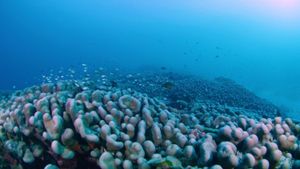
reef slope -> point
(79, 124)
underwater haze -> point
(149, 84)
(256, 43)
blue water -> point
(257, 44)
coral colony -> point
(79, 124)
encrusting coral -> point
(72, 124)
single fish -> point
(168, 85)
(113, 83)
(163, 68)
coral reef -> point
(74, 124)
(187, 90)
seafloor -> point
(158, 120)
